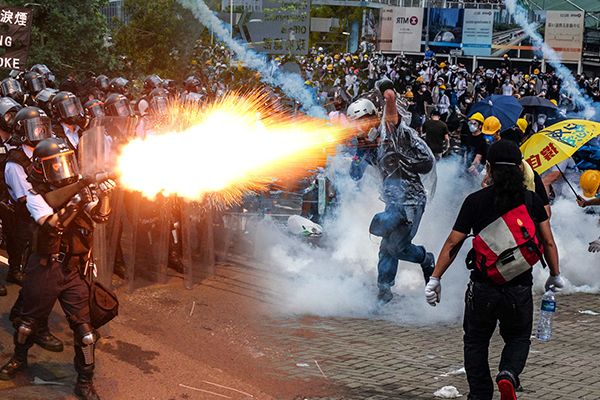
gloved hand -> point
(594, 246)
(556, 282)
(106, 187)
(384, 84)
(433, 291)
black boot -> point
(17, 362)
(48, 341)
(85, 390)
(84, 365)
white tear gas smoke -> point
(339, 277)
(573, 229)
(568, 85)
(291, 84)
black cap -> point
(436, 113)
(504, 152)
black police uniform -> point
(56, 271)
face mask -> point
(442, 91)
(541, 120)
(489, 139)
(473, 127)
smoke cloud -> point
(338, 278)
(568, 86)
(291, 84)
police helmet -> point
(31, 126)
(67, 107)
(44, 99)
(10, 87)
(33, 82)
(117, 105)
(119, 85)
(102, 82)
(45, 72)
(55, 162)
(94, 108)
(8, 111)
(152, 82)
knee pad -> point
(85, 339)
(24, 330)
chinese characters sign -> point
(564, 33)
(15, 32)
(282, 27)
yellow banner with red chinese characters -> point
(558, 142)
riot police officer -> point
(56, 268)
(31, 125)
(67, 109)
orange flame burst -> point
(221, 150)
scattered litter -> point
(40, 381)
(320, 370)
(228, 388)
(447, 392)
(193, 306)
(455, 372)
(204, 391)
(303, 365)
(588, 312)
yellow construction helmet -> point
(590, 182)
(477, 117)
(443, 87)
(336, 57)
(409, 94)
(330, 67)
(554, 102)
(536, 71)
(522, 124)
(419, 79)
(526, 77)
(442, 65)
(491, 126)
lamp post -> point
(231, 16)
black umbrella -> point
(537, 102)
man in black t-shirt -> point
(436, 134)
(487, 302)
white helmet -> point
(360, 108)
(301, 226)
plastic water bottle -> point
(544, 329)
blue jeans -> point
(397, 245)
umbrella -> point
(558, 142)
(537, 102)
(506, 108)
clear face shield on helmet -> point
(11, 88)
(61, 168)
(36, 84)
(120, 108)
(36, 129)
(95, 111)
(158, 105)
(69, 108)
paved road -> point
(158, 342)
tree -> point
(334, 40)
(69, 36)
(157, 39)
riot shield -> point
(94, 152)
(198, 242)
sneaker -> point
(385, 295)
(427, 266)
(506, 385)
